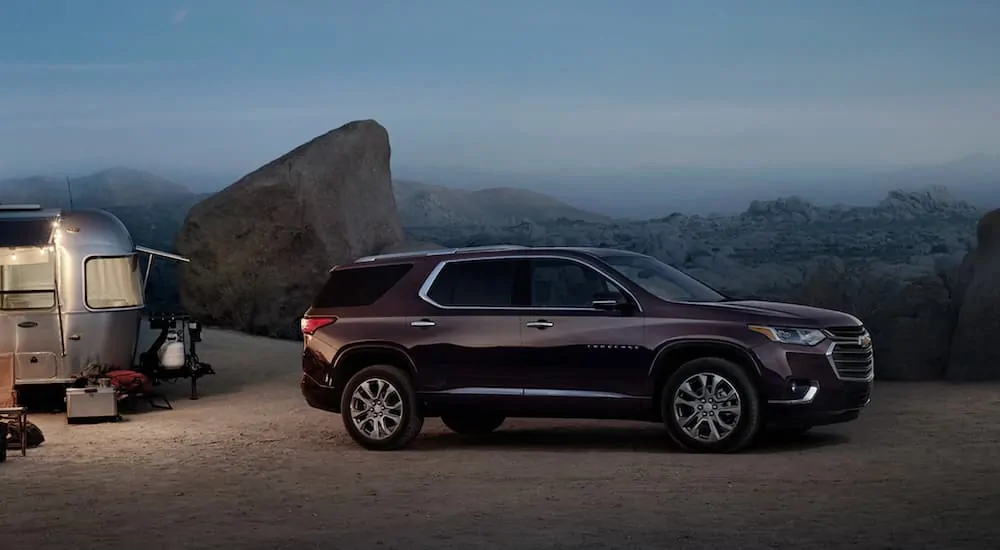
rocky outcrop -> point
(934, 200)
(261, 248)
(912, 330)
(975, 354)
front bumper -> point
(821, 395)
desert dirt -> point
(251, 466)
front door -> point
(578, 359)
(466, 341)
(28, 304)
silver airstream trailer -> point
(71, 292)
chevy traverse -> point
(478, 335)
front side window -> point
(475, 283)
(27, 278)
(112, 282)
(565, 283)
(661, 280)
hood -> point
(785, 314)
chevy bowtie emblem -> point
(865, 341)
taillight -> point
(309, 325)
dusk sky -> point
(541, 85)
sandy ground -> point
(250, 466)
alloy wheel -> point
(376, 408)
(707, 407)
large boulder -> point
(974, 352)
(911, 329)
(261, 248)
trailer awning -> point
(153, 253)
(161, 254)
(25, 232)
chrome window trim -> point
(429, 281)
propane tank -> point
(171, 353)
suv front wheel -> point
(380, 409)
(711, 405)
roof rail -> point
(19, 207)
(439, 252)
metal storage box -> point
(91, 404)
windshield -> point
(661, 280)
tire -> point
(473, 424)
(737, 421)
(396, 409)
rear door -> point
(466, 342)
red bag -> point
(130, 381)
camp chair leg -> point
(151, 399)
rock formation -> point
(974, 351)
(261, 248)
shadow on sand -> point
(50, 399)
(590, 439)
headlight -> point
(787, 335)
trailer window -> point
(27, 279)
(112, 282)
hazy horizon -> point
(690, 190)
(523, 87)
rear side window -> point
(482, 283)
(359, 286)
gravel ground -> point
(251, 466)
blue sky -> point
(543, 85)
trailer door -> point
(30, 312)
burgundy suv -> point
(477, 335)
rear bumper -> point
(319, 396)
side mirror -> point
(609, 301)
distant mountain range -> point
(119, 186)
(463, 197)
(135, 194)
(421, 204)
(657, 192)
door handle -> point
(74, 337)
(540, 324)
(423, 323)
(27, 324)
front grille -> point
(850, 333)
(852, 354)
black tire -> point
(411, 419)
(745, 427)
(473, 423)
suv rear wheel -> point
(710, 405)
(473, 423)
(380, 409)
